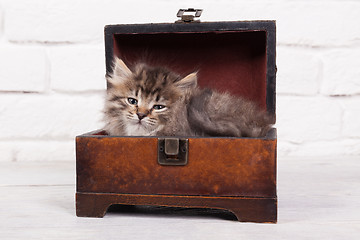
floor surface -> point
(318, 199)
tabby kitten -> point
(153, 101)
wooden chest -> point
(236, 174)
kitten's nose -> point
(141, 115)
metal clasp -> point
(173, 151)
(188, 18)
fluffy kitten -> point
(153, 101)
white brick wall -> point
(23, 68)
(342, 72)
(53, 116)
(351, 126)
(302, 63)
(1, 21)
(52, 70)
(77, 68)
(305, 119)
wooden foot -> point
(261, 210)
(91, 205)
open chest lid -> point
(236, 57)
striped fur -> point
(153, 101)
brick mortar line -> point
(52, 92)
(41, 139)
(314, 47)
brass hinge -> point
(186, 18)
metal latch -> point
(188, 18)
(173, 151)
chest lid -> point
(235, 57)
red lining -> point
(227, 61)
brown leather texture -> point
(216, 167)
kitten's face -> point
(142, 100)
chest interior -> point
(230, 61)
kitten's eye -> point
(158, 107)
(132, 101)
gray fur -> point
(189, 110)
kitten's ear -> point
(120, 73)
(188, 82)
(120, 69)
